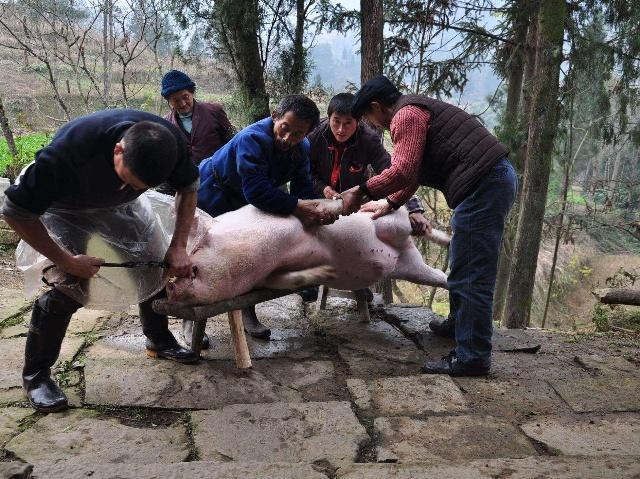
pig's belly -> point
(362, 266)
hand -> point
(179, 262)
(311, 213)
(81, 266)
(329, 193)
(351, 200)
(378, 208)
(419, 224)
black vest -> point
(458, 152)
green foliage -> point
(27, 147)
(600, 318)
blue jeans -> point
(478, 224)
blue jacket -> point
(250, 170)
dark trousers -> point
(478, 224)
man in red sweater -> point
(441, 146)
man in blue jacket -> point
(253, 166)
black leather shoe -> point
(444, 327)
(252, 326)
(309, 294)
(172, 351)
(44, 394)
(187, 332)
(450, 365)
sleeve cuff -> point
(365, 190)
(190, 187)
(393, 204)
(12, 210)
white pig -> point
(249, 249)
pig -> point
(249, 249)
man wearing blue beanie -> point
(204, 125)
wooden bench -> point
(199, 314)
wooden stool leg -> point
(197, 334)
(238, 339)
(363, 306)
(321, 302)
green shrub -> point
(600, 318)
(27, 147)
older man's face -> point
(181, 101)
(289, 130)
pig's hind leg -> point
(411, 267)
(299, 279)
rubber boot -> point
(49, 321)
(160, 342)
(187, 330)
(252, 326)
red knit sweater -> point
(400, 181)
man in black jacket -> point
(97, 162)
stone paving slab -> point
(608, 364)
(87, 320)
(289, 343)
(570, 467)
(517, 398)
(453, 438)
(602, 394)
(588, 435)
(12, 360)
(287, 432)
(180, 470)
(12, 302)
(286, 312)
(407, 396)
(83, 436)
(141, 381)
(10, 418)
(541, 366)
(374, 349)
(19, 329)
(15, 470)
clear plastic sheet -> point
(136, 231)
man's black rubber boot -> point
(171, 350)
(252, 326)
(160, 342)
(187, 332)
(444, 327)
(309, 294)
(450, 365)
(49, 321)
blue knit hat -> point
(174, 81)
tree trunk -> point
(107, 35)
(238, 27)
(618, 296)
(542, 130)
(521, 65)
(6, 130)
(371, 39)
(298, 69)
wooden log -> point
(363, 306)
(321, 302)
(618, 296)
(203, 311)
(238, 339)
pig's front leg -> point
(300, 279)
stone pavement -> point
(328, 397)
